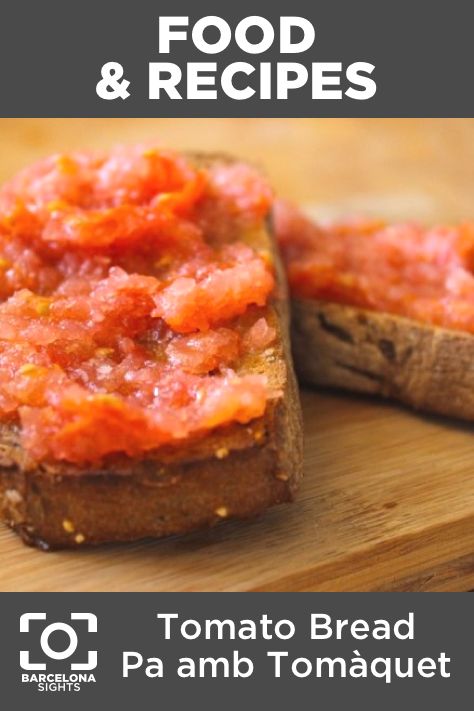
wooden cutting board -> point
(387, 501)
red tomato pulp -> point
(421, 273)
(122, 280)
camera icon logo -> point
(58, 655)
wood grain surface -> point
(388, 498)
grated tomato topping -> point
(122, 287)
(405, 269)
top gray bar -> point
(415, 54)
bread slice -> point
(237, 471)
(429, 368)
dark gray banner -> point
(280, 651)
(367, 58)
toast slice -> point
(235, 471)
(427, 367)
(383, 309)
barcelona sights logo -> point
(56, 667)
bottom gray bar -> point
(212, 650)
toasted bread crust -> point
(237, 471)
(429, 368)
